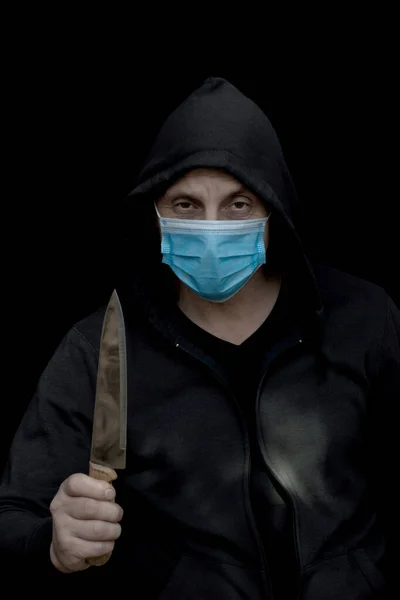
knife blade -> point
(108, 448)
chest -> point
(183, 415)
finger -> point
(83, 549)
(87, 508)
(80, 484)
(98, 548)
(93, 531)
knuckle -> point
(63, 532)
(60, 524)
(73, 484)
(54, 505)
(57, 502)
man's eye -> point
(239, 205)
(184, 205)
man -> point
(261, 390)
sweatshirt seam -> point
(85, 340)
(34, 531)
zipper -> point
(265, 573)
(279, 353)
(271, 471)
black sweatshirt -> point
(323, 432)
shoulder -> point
(340, 288)
(87, 331)
(71, 369)
(354, 307)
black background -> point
(79, 119)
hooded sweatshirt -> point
(208, 491)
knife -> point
(108, 449)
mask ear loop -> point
(156, 209)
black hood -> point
(217, 126)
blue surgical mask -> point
(215, 259)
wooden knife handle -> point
(104, 474)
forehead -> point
(200, 178)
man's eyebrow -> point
(190, 195)
(181, 194)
